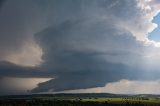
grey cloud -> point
(1, 2)
(77, 53)
(19, 20)
(8, 69)
(90, 78)
(84, 46)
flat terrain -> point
(80, 100)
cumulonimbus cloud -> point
(104, 45)
(91, 43)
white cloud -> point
(139, 21)
(125, 87)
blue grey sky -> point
(155, 34)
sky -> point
(79, 46)
(154, 35)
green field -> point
(124, 100)
(79, 100)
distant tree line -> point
(55, 102)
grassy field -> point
(124, 100)
(155, 100)
(80, 101)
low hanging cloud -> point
(81, 44)
(15, 85)
(124, 87)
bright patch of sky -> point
(155, 34)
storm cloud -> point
(93, 49)
(79, 43)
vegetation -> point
(64, 100)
